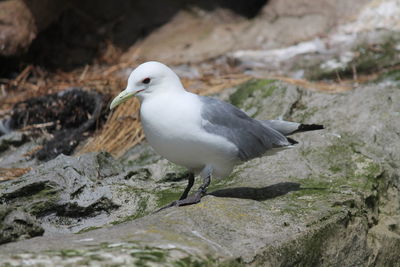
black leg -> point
(188, 187)
(206, 183)
(192, 199)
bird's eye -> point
(146, 81)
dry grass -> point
(328, 87)
(12, 173)
(121, 131)
(34, 81)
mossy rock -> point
(314, 204)
(249, 89)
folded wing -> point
(252, 137)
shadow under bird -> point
(206, 135)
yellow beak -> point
(122, 97)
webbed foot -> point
(190, 200)
(185, 200)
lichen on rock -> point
(270, 211)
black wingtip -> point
(292, 141)
(309, 127)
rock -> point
(339, 55)
(17, 27)
(17, 224)
(331, 200)
(56, 124)
(197, 36)
(364, 45)
(67, 115)
(15, 148)
(21, 21)
(71, 194)
(11, 139)
(20, 156)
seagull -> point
(203, 134)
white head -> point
(148, 79)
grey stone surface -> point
(11, 139)
(196, 36)
(15, 148)
(337, 56)
(331, 200)
(17, 224)
(70, 194)
(364, 44)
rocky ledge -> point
(331, 200)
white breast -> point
(172, 125)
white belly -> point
(172, 126)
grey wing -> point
(252, 138)
(284, 127)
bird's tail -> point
(288, 128)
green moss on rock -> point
(147, 256)
(391, 75)
(167, 196)
(247, 90)
(142, 210)
(132, 254)
(88, 229)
